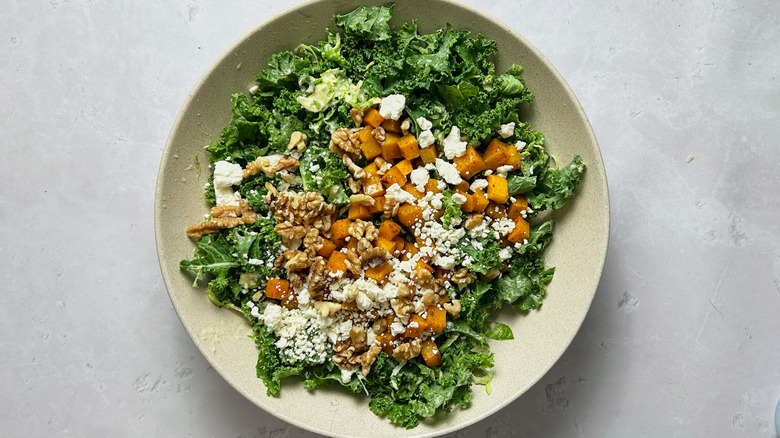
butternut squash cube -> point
(410, 215)
(390, 125)
(522, 231)
(436, 317)
(337, 263)
(365, 134)
(386, 244)
(372, 186)
(371, 149)
(470, 164)
(409, 147)
(417, 325)
(372, 118)
(480, 201)
(405, 166)
(379, 273)
(496, 154)
(467, 206)
(413, 190)
(390, 150)
(276, 288)
(432, 185)
(495, 210)
(399, 244)
(359, 211)
(372, 169)
(428, 154)
(516, 208)
(410, 249)
(497, 189)
(394, 176)
(327, 248)
(389, 229)
(430, 353)
(340, 231)
(379, 205)
(514, 157)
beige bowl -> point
(578, 249)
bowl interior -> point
(578, 249)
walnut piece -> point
(382, 166)
(357, 116)
(379, 326)
(473, 221)
(402, 307)
(362, 200)
(453, 308)
(407, 350)
(346, 140)
(318, 279)
(357, 171)
(286, 163)
(224, 216)
(374, 257)
(462, 277)
(358, 337)
(326, 308)
(429, 299)
(405, 125)
(297, 141)
(367, 359)
(354, 185)
(299, 262)
(379, 134)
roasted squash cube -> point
(521, 231)
(337, 263)
(372, 118)
(371, 149)
(390, 125)
(428, 154)
(394, 176)
(359, 211)
(327, 248)
(409, 147)
(470, 164)
(390, 150)
(430, 353)
(495, 210)
(379, 273)
(365, 134)
(497, 189)
(405, 166)
(496, 154)
(372, 186)
(389, 229)
(436, 317)
(409, 187)
(416, 326)
(386, 244)
(517, 208)
(372, 169)
(410, 215)
(432, 186)
(481, 201)
(340, 231)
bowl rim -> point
(227, 53)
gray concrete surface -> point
(683, 338)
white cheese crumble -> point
(226, 175)
(396, 328)
(458, 198)
(478, 184)
(399, 194)
(452, 145)
(507, 130)
(503, 170)
(419, 178)
(425, 139)
(392, 106)
(448, 172)
(505, 253)
(424, 124)
(520, 145)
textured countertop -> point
(683, 338)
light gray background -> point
(683, 336)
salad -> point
(375, 201)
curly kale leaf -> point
(366, 22)
(555, 187)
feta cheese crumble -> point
(226, 175)
(419, 178)
(425, 139)
(424, 124)
(392, 106)
(507, 130)
(452, 145)
(448, 172)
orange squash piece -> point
(390, 125)
(497, 189)
(521, 231)
(436, 317)
(410, 215)
(495, 210)
(467, 206)
(410, 249)
(516, 208)
(365, 134)
(514, 157)
(337, 263)
(359, 211)
(276, 288)
(496, 154)
(371, 149)
(432, 185)
(430, 353)
(417, 325)
(372, 169)
(380, 273)
(428, 154)
(409, 147)
(389, 229)
(390, 149)
(340, 230)
(470, 164)
(386, 244)
(480, 201)
(379, 205)
(409, 187)
(372, 118)
(372, 186)
(405, 166)
(399, 244)
(327, 248)
(394, 176)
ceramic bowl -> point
(578, 249)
